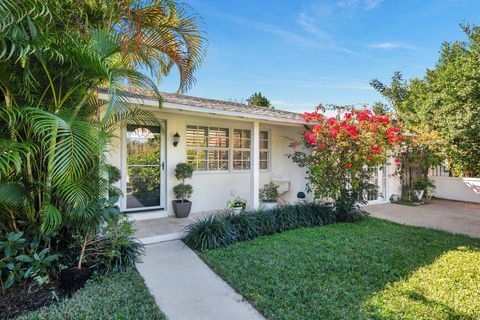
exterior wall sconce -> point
(176, 139)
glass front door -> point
(144, 167)
(379, 178)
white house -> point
(234, 148)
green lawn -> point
(113, 296)
(369, 269)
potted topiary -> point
(181, 206)
(420, 184)
(237, 204)
(269, 195)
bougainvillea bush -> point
(340, 152)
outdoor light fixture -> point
(176, 139)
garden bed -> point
(116, 295)
(372, 269)
(25, 297)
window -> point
(208, 147)
(264, 146)
(242, 141)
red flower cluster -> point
(310, 137)
(312, 116)
(393, 134)
(376, 149)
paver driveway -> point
(451, 216)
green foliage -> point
(212, 231)
(443, 107)
(183, 191)
(237, 202)
(116, 295)
(55, 185)
(183, 171)
(224, 229)
(22, 260)
(114, 248)
(422, 183)
(259, 100)
(269, 193)
(372, 269)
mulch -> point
(20, 299)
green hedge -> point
(221, 230)
(115, 295)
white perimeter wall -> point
(212, 190)
(460, 189)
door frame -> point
(382, 183)
(163, 176)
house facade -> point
(234, 149)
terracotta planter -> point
(182, 208)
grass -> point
(118, 295)
(372, 269)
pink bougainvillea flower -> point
(331, 121)
(348, 115)
(311, 138)
(398, 161)
(333, 132)
(294, 145)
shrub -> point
(115, 248)
(22, 260)
(210, 232)
(221, 230)
(183, 171)
(244, 225)
(269, 192)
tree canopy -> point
(259, 100)
(443, 107)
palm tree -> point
(54, 56)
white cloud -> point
(372, 4)
(392, 45)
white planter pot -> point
(237, 210)
(419, 194)
(269, 205)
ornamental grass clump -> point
(224, 229)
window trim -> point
(230, 148)
(269, 150)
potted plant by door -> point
(420, 184)
(269, 195)
(181, 206)
(237, 204)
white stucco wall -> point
(212, 190)
(460, 189)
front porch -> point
(165, 229)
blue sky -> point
(301, 53)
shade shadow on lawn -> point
(364, 270)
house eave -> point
(181, 108)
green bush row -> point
(219, 230)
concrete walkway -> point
(451, 216)
(185, 288)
